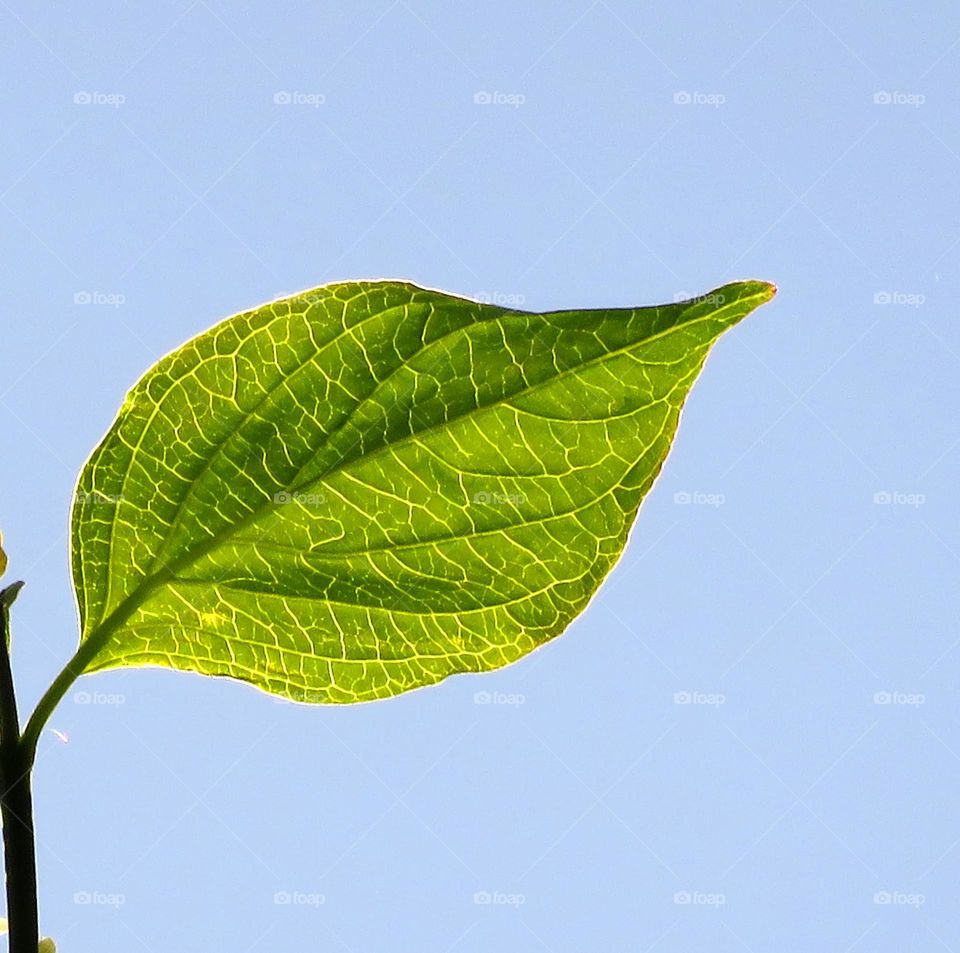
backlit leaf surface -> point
(368, 487)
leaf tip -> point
(758, 288)
(9, 595)
(754, 292)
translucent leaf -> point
(368, 487)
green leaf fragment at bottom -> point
(368, 487)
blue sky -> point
(751, 739)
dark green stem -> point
(16, 803)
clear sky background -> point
(167, 164)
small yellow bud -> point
(3, 557)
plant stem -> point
(77, 665)
(16, 803)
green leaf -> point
(368, 487)
(8, 594)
